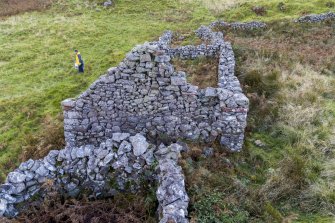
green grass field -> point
(287, 72)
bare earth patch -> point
(12, 7)
(202, 72)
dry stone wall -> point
(145, 94)
(314, 18)
(171, 193)
(105, 128)
(105, 151)
(121, 163)
(239, 25)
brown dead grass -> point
(312, 47)
(51, 137)
(55, 209)
(12, 7)
(202, 72)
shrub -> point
(330, 4)
(262, 84)
(259, 10)
(281, 6)
(202, 71)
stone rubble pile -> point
(87, 167)
(145, 94)
(122, 160)
(314, 18)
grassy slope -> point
(36, 75)
(240, 10)
(36, 57)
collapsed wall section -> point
(145, 94)
(121, 163)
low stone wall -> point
(171, 193)
(314, 18)
(121, 163)
(145, 94)
(105, 128)
(239, 25)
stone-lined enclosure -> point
(105, 128)
(145, 94)
(106, 154)
(120, 163)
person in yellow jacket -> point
(79, 64)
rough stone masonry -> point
(145, 94)
(105, 128)
(123, 159)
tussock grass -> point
(288, 178)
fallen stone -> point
(259, 143)
(140, 144)
(208, 152)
